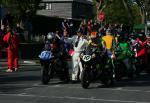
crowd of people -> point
(109, 38)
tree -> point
(22, 6)
(127, 7)
(120, 11)
(147, 3)
(101, 5)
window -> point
(48, 6)
(41, 6)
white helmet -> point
(49, 36)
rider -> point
(142, 40)
(125, 53)
(95, 44)
(93, 39)
(108, 42)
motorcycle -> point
(124, 63)
(51, 66)
(45, 60)
(53, 63)
(121, 70)
(93, 70)
(142, 58)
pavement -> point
(27, 64)
(29, 61)
(23, 63)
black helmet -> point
(142, 36)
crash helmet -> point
(142, 36)
(50, 35)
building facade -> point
(72, 9)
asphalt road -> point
(24, 86)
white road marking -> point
(124, 90)
(29, 62)
(98, 99)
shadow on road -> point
(143, 80)
(17, 79)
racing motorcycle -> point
(53, 63)
(53, 66)
(142, 58)
(46, 59)
(91, 60)
(121, 70)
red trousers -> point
(13, 58)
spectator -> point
(83, 27)
(65, 26)
(19, 32)
(2, 32)
(13, 41)
(8, 19)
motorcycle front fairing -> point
(45, 57)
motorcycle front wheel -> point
(107, 78)
(85, 78)
(46, 74)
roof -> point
(81, 1)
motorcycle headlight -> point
(86, 58)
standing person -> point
(65, 26)
(83, 27)
(79, 45)
(8, 19)
(19, 31)
(2, 43)
(2, 32)
(89, 26)
(13, 42)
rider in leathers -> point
(125, 53)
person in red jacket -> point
(13, 41)
(142, 40)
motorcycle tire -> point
(46, 74)
(107, 79)
(85, 79)
(64, 75)
(131, 73)
(138, 69)
(120, 71)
